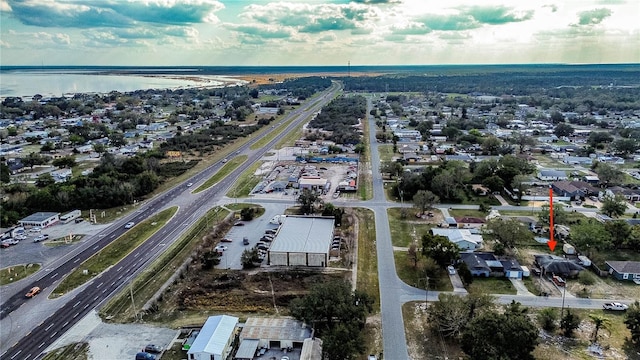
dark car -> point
(151, 348)
(144, 356)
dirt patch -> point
(422, 342)
(239, 291)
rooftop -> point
(304, 234)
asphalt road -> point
(31, 341)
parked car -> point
(245, 241)
(10, 241)
(220, 248)
(33, 292)
(227, 240)
(151, 348)
(35, 229)
(39, 238)
(238, 223)
(144, 356)
(451, 270)
(129, 225)
(558, 280)
(615, 306)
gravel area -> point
(114, 341)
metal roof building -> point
(40, 219)
(302, 241)
(215, 338)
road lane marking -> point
(76, 260)
(54, 334)
(99, 285)
(48, 327)
(76, 304)
(54, 275)
(41, 345)
(16, 354)
(95, 247)
(76, 315)
(65, 324)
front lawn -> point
(492, 285)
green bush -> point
(586, 278)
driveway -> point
(458, 287)
(521, 289)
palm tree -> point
(600, 322)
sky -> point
(317, 32)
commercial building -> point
(214, 339)
(40, 219)
(259, 335)
(302, 241)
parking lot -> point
(253, 230)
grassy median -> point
(114, 252)
(223, 172)
(14, 273)
(246, 182)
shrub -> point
(586, 278)
(547, 319)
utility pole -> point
(426, 298)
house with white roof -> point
(464, 238)
(214, 339)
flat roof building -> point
(40, 219)
(302, 241)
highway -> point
(30, 342)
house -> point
(214, 339)
(556, 265)
(411, 157)
(551, 175)
(485, 264)
(624, 270)
(577, 160)
(567, 189)
(464, 238)
(470, 222)
(629, 194)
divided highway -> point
(192, 206)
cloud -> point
(411, 29)
(553, 7)
(496, 15)
(311, 18)
(378, 1)
(612, 2)
(449, 22)
(109, 13)
(593, 17)
(261, 31)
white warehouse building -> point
(302, 241)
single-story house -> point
(461, 237)
(565, 188)
(552, 175)
(486, 264)
(470, 222)
(556, 265)
(214, 339)
(629, 194)
(577, 160)
(624, 270)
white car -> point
(39, 238)
(220, 248)
(129, 225)
(189, 184)
(451, 270)
(615, 306)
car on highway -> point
(33, 292)
(189, 184)
(615, 306)
(151, 348)
(129, 225)
(41, 237)
(227, 240)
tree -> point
(449, 315)
(614, 206)
(569, 323)
(491, 145)
(509, 232)
(563, 129)
(619, 231)
(393, 168)
(559, 214)
(338, 316)
(625, 146)
(424, 200)
(5, 173)
(492, 335)
(412, 253)
(494, 183)
(547, 318)
(440, 249)
(249, 258)
(522, 141)
(64, 162)
(519, 182)
(598, 138)
(44, 180)
(307, 200)
(247, 214)
(608, 174)
(632, 320)
(599, 322)
(557, 117)
(590, 235)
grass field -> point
(240, 206)
(492, 285)
(114, 252)
(467, 213)
(386, 152)
(367, 255)
(226, 169)
(14, 273)
(246, 182)
(414, 275)
(405, 231)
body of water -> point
(26, 83)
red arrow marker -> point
(552, 244)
